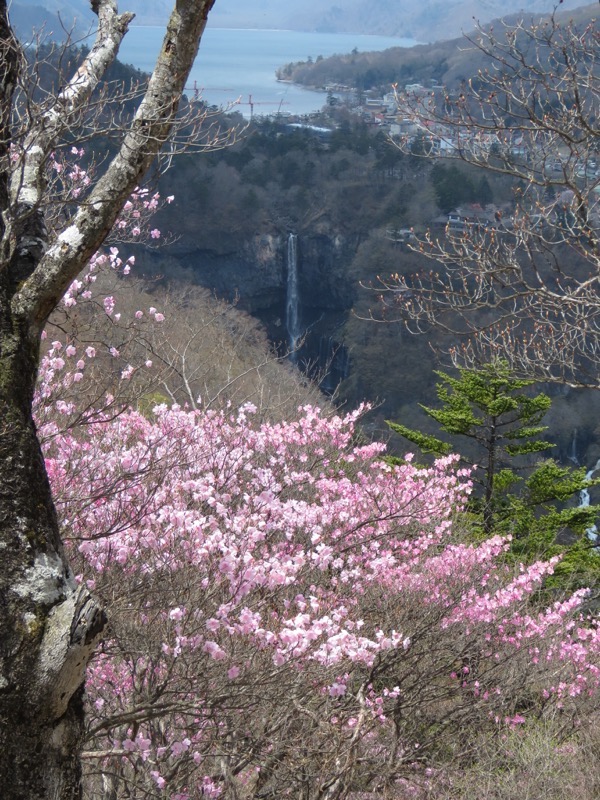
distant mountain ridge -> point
(54, 19)
(448, 62)
(425, 21)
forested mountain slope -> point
(430, 20)
(448, 62)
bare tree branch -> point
(527, 286)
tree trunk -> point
(47, 627)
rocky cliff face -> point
(253, 272)
(323, 265)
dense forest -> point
(356, 188)
(449, 62)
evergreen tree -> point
(452, 187)
(484, 192)
(534, 502)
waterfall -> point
(584, 501)
(572, 456)
(584, 494)
(292, 308)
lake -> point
(240, 64)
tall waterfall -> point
(292, 309)
(584, 494)
(573, 450)
(584, 501)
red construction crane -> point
(253, 103)
(197, 90)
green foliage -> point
(424, 441)
(354, 137)
(453, 187)
(536, 502)
(421, 145)
(484, 192)
(148, 402)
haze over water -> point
(235, 63)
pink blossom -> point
(158, 779)
(109, 305)
(213, 649)
(289, 554)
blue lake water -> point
(238, 64)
